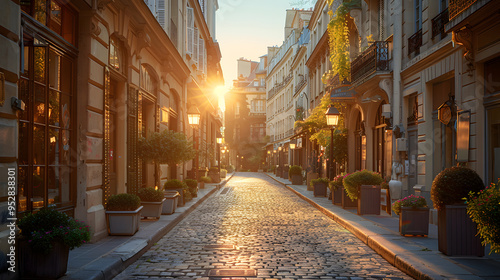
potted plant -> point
(45, 240)
(337, 189)
(202, 172)
(230, 169)
(204, 180)
(319, 186)
(176, 185)
(488, 226)
(448, 190)
(213, 173)
(364, 186)
(152, 201)
(170, 203)
(285, 171)
(413, 215)
(309, 177)
(223, 173)
(192, 187)
(123, 214)
(295, 174)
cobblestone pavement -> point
(273, 232)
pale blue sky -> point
(245, 28)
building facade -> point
(245, 115)
(83, 80)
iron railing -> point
(415, 42)
(438, 23)
(458, 6)
(373, 59)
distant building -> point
(245, 115)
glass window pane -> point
(41, 11)
(26, 61)
(64, 153)
(66, 75)
(38, 187)
(54, 70)
(65, 111)
(54, 108)
(39, 148)
(39, 105)
(55, 12)
(23, 189)
(39, 64)
(54, 146)
(23, 143)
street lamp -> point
(194, 121)
(292, 147)
(219, 141)
(332, 119)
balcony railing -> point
(373, 59)
(458, 6)
(300, 84)
(438, 23)
(415, 42)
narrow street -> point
(275, 234)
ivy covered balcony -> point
(372, 60)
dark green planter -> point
(35, 265)
(320, 189)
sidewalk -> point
(108, 257)
(419, 257)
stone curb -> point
(396, 260)
(114, 264)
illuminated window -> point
(115, 55)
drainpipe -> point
(395, 184)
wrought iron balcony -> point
(300, 84)
(415, 42)
(438, 23)
(373, 59)
(458, 6)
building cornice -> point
(319, 49)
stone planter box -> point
(457, 233)
(284, 173)
(180, 200)
(215, 176)
(223, 174)
(123, 222)
(337, 196)
(296, 179)
(368, 200)
(347, 202)
(170, 203)
(320, 189)
(311, 176)
(36, 265)
(414, 221)
(201, 173)
(152, 209)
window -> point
(418, 15)
(115, 55)
(56, 15)
(45, 128)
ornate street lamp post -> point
(194, 121)
(332, 119)
(292, 148)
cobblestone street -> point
(273, 232)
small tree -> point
(166, 147)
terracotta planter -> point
(170, 203)
(414, 221)
(368, 200)
(337, 196)
(296, 179)
(457, 233)
(35, 265)
(123, 222)
(311, 176)
(152, 209)
(320, 189)
(347, 202)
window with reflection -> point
(45, 128)
(57, 15)
(115, 55)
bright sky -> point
(245, 28)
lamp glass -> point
(219, 140)
(194, 115)
(292, 146)
(332, 116)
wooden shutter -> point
(161, 13)
(201, 56)
(195, 46)
(190, 31)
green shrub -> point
(483, 207)
(223, 170)
(230, 169)
(319, 181)
(174, 184)
(150, 195)
(192, 186)
(42, 228)
(295, 170)
(123, 202)
(453, 184)
(337, 182)
(364, 177)
(206, 179)
(213, 169)
(187, 195)
(409, 201)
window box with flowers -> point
(45, 240)
(152, 201)
(123, 214)
(413, 215)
